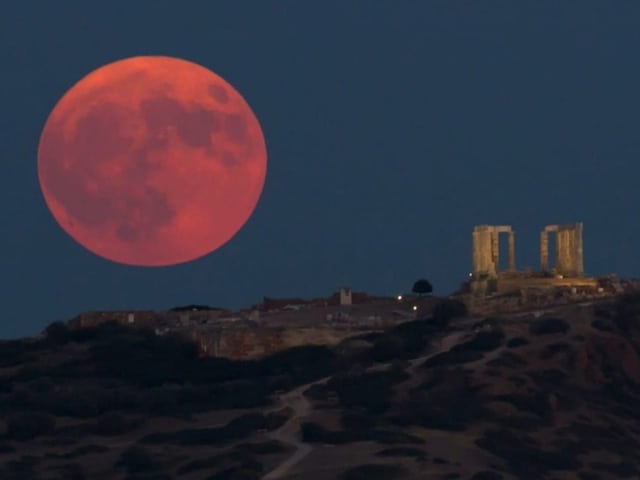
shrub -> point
(371, 391)
(387, 348)
(402, 452)
(25, 426)
(14, 352)
(374, 471)
(57, 333)
(414, 336)
(547, 326)
(524, 456)
(483, 341)
(113, 423)
(516, 342)
(487, 475)
(136, 460)
(238, 428)
(422, 286)
(447, 310)
(262, 448)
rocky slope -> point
(541, 395)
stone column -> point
(544, 250)
(474, 252)
(578, 250)
(512, 251)
(563, 251)
(481, 250)
(495, 251)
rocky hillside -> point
(541, 395)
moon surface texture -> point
(152, 161)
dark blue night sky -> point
(392, 129)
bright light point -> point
(415, 308)
(399, 297)
(471, 274)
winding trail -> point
(289, 433)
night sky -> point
(392, 128)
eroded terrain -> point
(538, 395)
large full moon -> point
(152, 161)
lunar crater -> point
(218, 93)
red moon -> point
(152, 161)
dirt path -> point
(289, 433)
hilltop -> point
(544, 394)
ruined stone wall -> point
(251, 343)
(144, 318)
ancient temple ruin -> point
(567, 270)
(568, 249)
(486, 248)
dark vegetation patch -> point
(409, 339)
(387, 348)
(6, 448)
(114, 423)
(447, 400)
(488, 323)
(452, 357)
(137, 460)
(516, 342)
(447, 310)
(414, 336)
(554, 349)
(372, 390)
(589, 476)
(487, 475)
(524, 455)
(79, 452)
(166, 373)
(72, 471)
(626, 314)
(19, 469)
(233, 461)
(507, 359)
(417, 453)
(603, 324)
(519, 422)
(467, 352)
(374, 471)
(546, 378)
(236, 473)
(262, 448)
(359, 421)
(484, 341)
(517, 381)
(315, 433)
(151, 476)
(609, 438)
(536, 404)
(27, 426)
(549, 326)
(240, 427)
(620, 469)
(17, 352)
